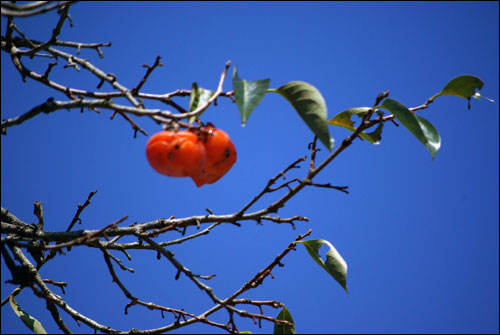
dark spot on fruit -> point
(170, 155)
(227, 153)
(177, 146)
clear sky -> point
(420, 236)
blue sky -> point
(420, 236)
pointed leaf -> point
(309, 103)
(334, 264)
(28, 320)
(344, 120)
(418, 126)
(284, 314)
(199, 96)
(464, 87)
(248, 94)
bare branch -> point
(55, 32)
(271, 181)
(107, 259)
(169, 255)
(217, 93)
(61, 285)
(328, 185)
(80, 209)
(148, 72)
(31, 9)
(47, 294)
(87, 238)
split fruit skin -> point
(220, 157)
(204, 156)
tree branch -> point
(31, 9)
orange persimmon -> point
(220, 157)
(176, 153)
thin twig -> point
(80, 209)
(87, 238)
(271, 181)
(201, 108)
(148, 72)
(107, 259)
(169, 255)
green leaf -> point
(418, 126)
(199, 96)
(334, 264)
(248, 94)
(464, 87)
(344, 120)
(28, 320)
(431, 134)
(284, 314)
(309, 103)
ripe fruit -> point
(220, 157)
(205, 155)
(176, 154)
